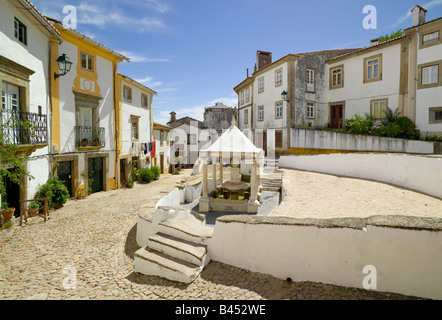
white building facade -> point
(24, 80)
(84, 114)
(135, 125)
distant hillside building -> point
(218, 117)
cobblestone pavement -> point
(96, 238)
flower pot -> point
(84, 143)
(95, 143)
(8, 213)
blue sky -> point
(193, 52)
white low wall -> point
(166, 208)
(417, 173)
(407, 261)
(318, 139)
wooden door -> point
(162, 162)
(64, 173)
(336, 116)
(123, 180)
(95, 166)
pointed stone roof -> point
(233, 141)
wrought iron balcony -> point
(23, 128)
(90, 136)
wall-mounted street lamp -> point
(284, 95)
(64, 65)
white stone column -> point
(253, 204)
(204, 205)
(221, 167)
(214, 172)
(205, 185)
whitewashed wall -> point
(430, 97)
(317, 139)
(407, 261)
(355, 93)
(34, 56)
(417, 173)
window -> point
(278, 139)
(310, 110)
(261, 85)
(145, 101)
(191, 138)
(87, 62)
(278, 110)
(337, 77)
(261, 113)
(134, 127)
(378, 108)
(278, 78)
(242, 97)
(246, 116)
(127, 93)
(247, 95)
(431, 38)
(435, 115)
(20, 31)
(430, 74)
(373, 68)
(310, 80)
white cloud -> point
(408, 14)
(138, 58)
(156, 5)
(149, 81)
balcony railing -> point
(23, 128)
(90, 136)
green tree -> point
(390, 36)
(11, 161)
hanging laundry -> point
(153, 149)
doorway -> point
(162, 162)
(12, 195)
(95, 167)
(336, 116)
(64, 173)
(123, 180)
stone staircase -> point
(270, 165)
(178, 251)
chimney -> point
(419, 14)
(172, 116)
(374, 42)
(263, 59)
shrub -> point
(156, 172)
(359, 125)
(391, 130)
(55, 191)
(146, 175)
(408, 128)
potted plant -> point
(84, 142)
(7, 212)
(34, 207)
(96, 142)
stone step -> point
(150, 262)
(187, 230)
(177, 248)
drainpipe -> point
(117, 131)
(416, 74)
(115, 122)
